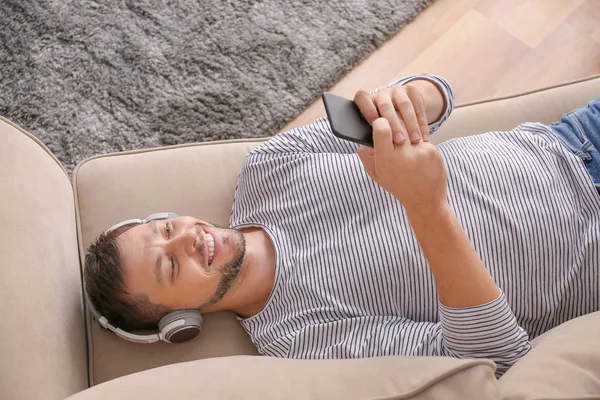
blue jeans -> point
(579, 131)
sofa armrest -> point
(43, 348)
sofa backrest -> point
(199, 180)
(544, 105)
(42, 343)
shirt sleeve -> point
(487, 331)
(317, 137)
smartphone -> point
(346, 120)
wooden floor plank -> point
(586, 18)
(518, 17)
(441, 15)
(472, 55)
(566, 54)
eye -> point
(168, 229)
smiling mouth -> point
(208, 244)
(211, 247)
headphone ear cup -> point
(180, 326)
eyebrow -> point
(158, 269)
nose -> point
(187, 241)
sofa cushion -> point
(276, 378)
(196, 180)
(42, 348)
(564, 363)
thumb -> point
(367, 157)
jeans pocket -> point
(572, 134)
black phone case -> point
(346, 120)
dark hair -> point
(103, 276)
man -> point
(467, 249)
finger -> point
(419, 106)
(367, 157)
(400, 136)
(365, 104)
(382, 138)
(406, 109)
(385, 105)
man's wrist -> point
(426, 215)
(434, 100)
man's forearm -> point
(433, 98)
(460, 276)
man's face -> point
(183, 263)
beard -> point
(231, 270)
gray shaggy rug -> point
(89, 77)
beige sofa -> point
(51, 349)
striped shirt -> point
(351, 279)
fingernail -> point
(398, 137)
(415, 135)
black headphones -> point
(175, 327)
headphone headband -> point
(152, 217)
(132, 337)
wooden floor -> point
(485, 48)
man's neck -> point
(257, 276)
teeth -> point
(211, 247)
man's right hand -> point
(414, 173)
